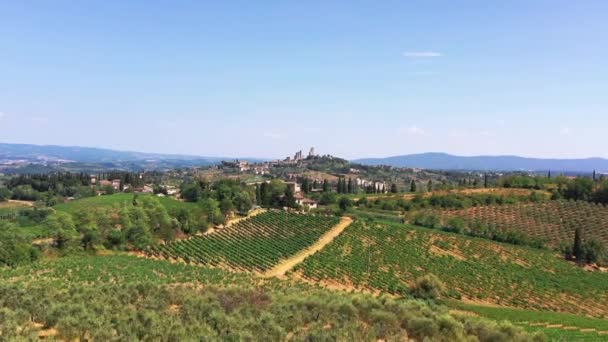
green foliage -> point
(345, 203)
(5, 194)
(428, 287)
(328, 198)
(14, 249)
(191, 192)
(130, 298)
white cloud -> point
(2, 115)
(422, 54)
(485, 133)
(415, 130)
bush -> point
(593, 251)
(428, 287)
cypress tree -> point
(350, 186)
(325, 186)
(594, 176)
(263, 194)
(485, 180)
(258, 194)
(413, 186)
(430, 185)
(394, 188)
(305, 185)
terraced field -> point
(553, 221)
(255, 244)
(388, 257)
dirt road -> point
(282, 267)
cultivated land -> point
(120, 297)
(388, 257)
(284, 266)
(554, 221)
(255, 244)
(234, 270)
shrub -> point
(428, 287)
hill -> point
(553, 222)
(90, 157)
(444, 161)
(386, 257)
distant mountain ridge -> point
(54, 153)
(444, 161)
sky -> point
(267, 78)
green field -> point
(254, 244)
(388, 257)
(120, 199)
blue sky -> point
(266, 78)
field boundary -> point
(284, 266)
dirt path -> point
(23, 203)
(282, 267)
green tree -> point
(258, 194)
(394, 189)
(14, 249)
(429, 186)
(289, 199)
(226, 206)
(5, 194)
(351, 189)
(579, 189)
(242, 202)
(305, 185)
(191, 192)
(345, 203)
(413, 186)
(326, 187)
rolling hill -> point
(444, 161)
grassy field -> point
(254, 244)
(388, 257)
(553, 221)
(120, 199)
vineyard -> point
(255, 244)
(553, 222)
(389, 257)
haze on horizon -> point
(364, 79)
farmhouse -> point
(116, 184)
(303, 201)
(295, 187)
(105, 182)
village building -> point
(295, 187)
(303, 201)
